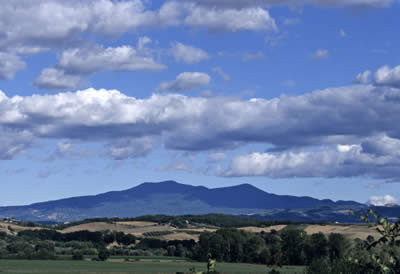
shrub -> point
(103, 255)
(77, 255)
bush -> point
(103, 255)
(77, 255)
(318, 266)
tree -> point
(316, 247)
(103, 255)
(77, 255)
(45, 250)
(171, 249)
(293, 246)
(337, 246)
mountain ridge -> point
(167, 197)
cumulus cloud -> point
(386, 76)
(221, 73)
(33, 27)
(340, 161)
(9, 65)
(321, 117)
(188, 54)
(75, 64)
(253, 19)
(320, 54)
(362, 77)
(97, 58)
(382, 200)
(339, 132)
(187, 81)
(54, 79)
(295, 3)
(53, 23)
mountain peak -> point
(166, 197)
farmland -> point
(118, 266)
(169, 244)
(169, 232)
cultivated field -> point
(5, 227)
(149, 266)
(255, 229)
(126, 228)
(168, 232)
(349, 231)
(143, 229)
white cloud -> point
(94, 59)
(342, 33)
(339, 161)
(31, 25)
(9, 65)
(253, 19)
(362, 77)
(320, 53)
(54, 79)
(188, 54)
(382, 200)
(55, 22)
(324, 163)
(78, 63)
(386, 76)
(187, 81)
(303, 131)
(221, 73)
(295, 3)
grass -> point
(131, 258)
(162, 266)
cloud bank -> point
(338, 132)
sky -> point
(296, 97)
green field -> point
(151, 266)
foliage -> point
(369, 256)
(77, 255)
(103, 255)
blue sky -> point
(297, 97)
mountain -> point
(169, 198)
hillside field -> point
(169, 232)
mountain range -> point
(172, 198)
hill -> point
(170, 198)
